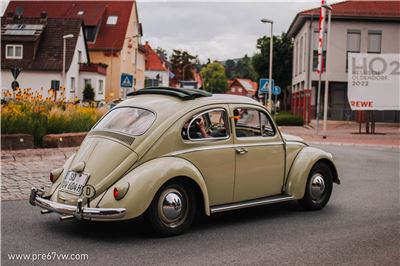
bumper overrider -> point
(69, 211)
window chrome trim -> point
(223, 146)
(226, 122)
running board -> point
(251, 203)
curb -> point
(355, 144)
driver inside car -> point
(197, 129)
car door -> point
(259, 153)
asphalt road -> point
(359, 226)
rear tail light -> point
(55, 174)
(116, 192)
(120, 190)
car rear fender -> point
(146, 179)
(301, 167)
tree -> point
(214, 78)
(230, 66)
(282, 60)
(88, 93)
(162, 53)
(183, 61)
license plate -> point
(74, 182)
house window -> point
(90, 33)
(240, 90)
(72, 90)
(101, 86)
(374, 42)
(315, 50)
(233, 89)
(14, 51)
(301, 56)
(79, 56)
(87, 82)
(112, 20)
(353, 43)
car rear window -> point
(133, 121)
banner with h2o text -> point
(374, 81)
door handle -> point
(241, 150)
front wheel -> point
(172, 210)
(318, 188)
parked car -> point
(166, 153)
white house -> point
(36, 46)
(156, 69)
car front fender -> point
(146, 179)
(301, 167)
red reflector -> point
(51, 177)
(115, 192)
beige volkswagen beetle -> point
(166, 153)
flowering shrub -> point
(31, 114)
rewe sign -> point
(374, 81)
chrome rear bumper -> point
(79, 212)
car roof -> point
(166, 104)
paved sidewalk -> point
(387, 135)
(24, 169)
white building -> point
(36, 46)
(356, 27)
(156, 69)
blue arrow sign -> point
(276, 90)
(126, 80)
(264, 85)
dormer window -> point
(90, 32)
(14, 51)
(112, 20)
(81, 12)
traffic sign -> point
(15, 72)
(126, 80)
(276, 90)
(264, 85)
(14, 85)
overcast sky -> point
(218, 29)
(215, 30)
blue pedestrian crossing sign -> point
(126, 80)
(264, 85)
(276, 90)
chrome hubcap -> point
(317, 186)
(172, 207)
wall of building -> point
(164, 76)
(94, 81)
(124, 61)
(73, 70)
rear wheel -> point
(318, 188)
(172, 210)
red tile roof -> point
(352, 10)
(94, 13)
(50, 49)
(153, 61)
(362, 9)
(246, 84)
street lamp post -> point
(270, 63)
(65, 37)
(329, 8)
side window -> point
(252, 123)
(208, 125)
